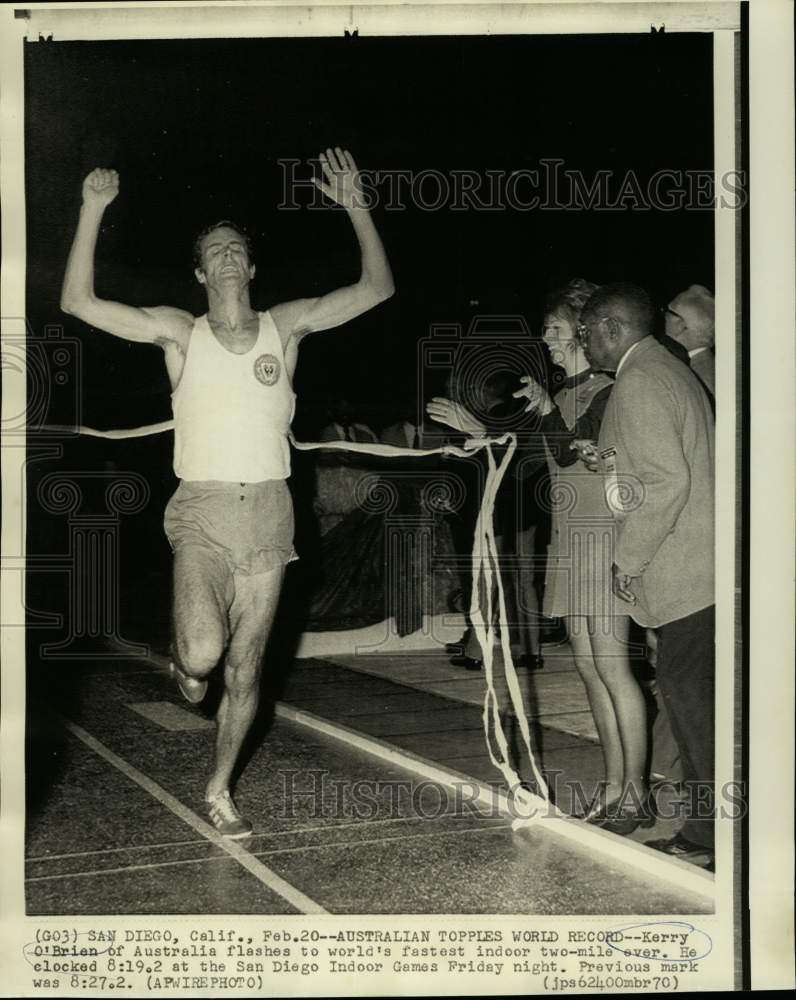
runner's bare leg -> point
(251, 617)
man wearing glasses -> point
(690, 321)
(656, 454)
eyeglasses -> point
(583, 332)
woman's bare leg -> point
(609, 645)
(602, 707)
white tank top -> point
(232, 412)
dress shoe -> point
(530, 661)
(468, 662)
(625, 821)
(598, 813)
(458, 647)
(622, 817)
(685, 850)
(553, 632)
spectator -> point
(578, 581)
(410, 432)
(656, 453)
(338, 474)
(690, 320)
(343, 427)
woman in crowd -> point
(578, 579)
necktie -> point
(416, 438)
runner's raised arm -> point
(162, 325)
(341, 184)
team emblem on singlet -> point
(266, 369)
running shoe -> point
(191, 689)
(225, 817)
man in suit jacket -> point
(690, 320)
(656, 453)
(343, 427)
(409, 433)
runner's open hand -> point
(340, 178)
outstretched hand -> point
(340, 178)
(100, 187)
(445, 411)
(538, 397)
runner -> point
(230, 522)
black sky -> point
(195, 129)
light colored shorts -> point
(250, 525)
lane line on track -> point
(263, 874)
(278, 851)
(299, 831)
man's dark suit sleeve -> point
(559, 437)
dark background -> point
(195, 129)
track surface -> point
(116, 824)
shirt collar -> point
(626, 355)
(572, 381)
